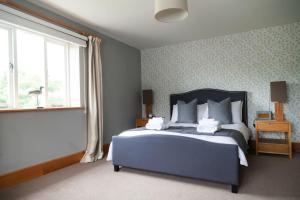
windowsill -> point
(39, 109)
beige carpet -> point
(267, 177)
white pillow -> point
(174, 117)
(236, 110)
(202, 111)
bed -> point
(183, 156)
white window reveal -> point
(37, 70)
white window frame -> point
(13, 66)
(10, 65)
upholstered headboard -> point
(202, 95)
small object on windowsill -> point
(36, 93)
(57, 105)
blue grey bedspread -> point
(234, 134)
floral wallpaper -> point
(244, 61)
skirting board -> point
(295, 146)
(28, 173)
(105, 149)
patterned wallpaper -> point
(244, 61)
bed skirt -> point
(180, 156)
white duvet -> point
(215, 139)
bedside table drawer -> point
(270, 126)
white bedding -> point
(216, 139)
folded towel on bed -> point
(208, 123)
(211, 130)
(208, 126)
(156, 127)
(157, 123)
(156, 120)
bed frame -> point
(184, 156)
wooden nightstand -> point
(141, 122)
(276, 146)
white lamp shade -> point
(170, 10)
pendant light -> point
(170, 10)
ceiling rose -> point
(170, 10)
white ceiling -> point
(132, 21)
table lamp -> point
(279, 96)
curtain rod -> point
(42, 16)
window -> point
(4, 67)
(56, 61)
(31, 62)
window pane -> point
(30, 60)
(74, 76)
(4, 68)
(56, 63)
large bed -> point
(212, 158)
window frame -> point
(13, 103)
(9, 29)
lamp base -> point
(279, 111)
(148, 109)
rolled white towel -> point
(210, 130)
(208, 123)
(156, 120)
(156, 126)
(157, 123)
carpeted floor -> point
(267, 177)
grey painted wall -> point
(244, 61)
(31, 138)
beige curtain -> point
(94, 102)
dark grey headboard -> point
(202, 95)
